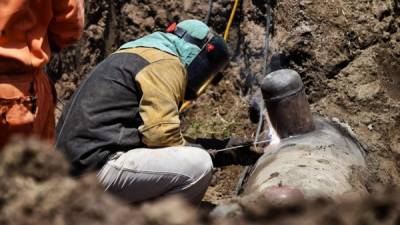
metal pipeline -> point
(314, 156)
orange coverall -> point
(28, 31)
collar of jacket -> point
(169, 43)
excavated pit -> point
(347, 53)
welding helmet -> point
(211, 59)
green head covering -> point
(196, 28)
(171, 43)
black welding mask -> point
(202, 71)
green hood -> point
(172, 44)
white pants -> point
(143, 174)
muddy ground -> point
(347, 52)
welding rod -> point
(242, 145)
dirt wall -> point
(347, 53)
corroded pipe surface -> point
(286, 102)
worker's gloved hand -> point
(245, 155)
(189, 142)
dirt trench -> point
(346, 51)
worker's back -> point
(28, 26)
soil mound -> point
(35, 189)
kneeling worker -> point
(124, 118)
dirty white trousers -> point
(144, 174)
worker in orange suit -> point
(29, 31)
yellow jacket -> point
(162, 84)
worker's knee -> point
(143, 174)
(200, 163)
(199, 175)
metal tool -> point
(242, 145)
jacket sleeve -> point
(163, 86)
(67, 24)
